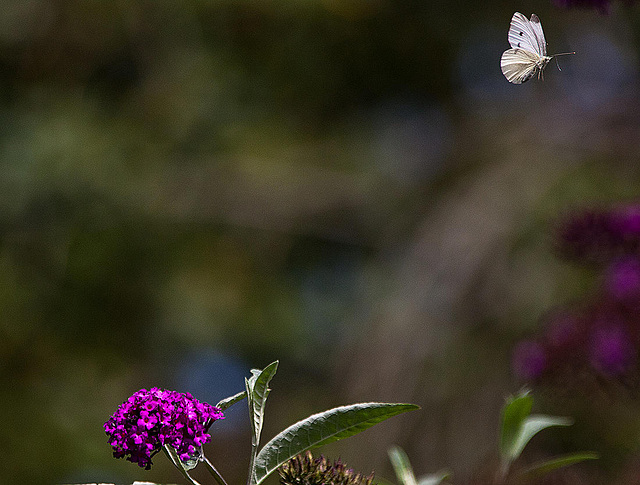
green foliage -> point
(316, 430)
(257, 389)
(321, 429)
(519, 426)
(402, 466)
(544, 467)
(434, 478)
(404, 471)
(514, 413)
(284, 451)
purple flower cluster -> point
(600, 335)
(148, 420)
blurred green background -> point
(192, 189)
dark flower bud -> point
(305, 470)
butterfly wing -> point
(519, 65)
(536, 25)
(527, 34)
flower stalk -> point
(173, 457)
(213, 471)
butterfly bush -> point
(151, 419)
(599, 335)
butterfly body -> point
(528, 54)
(519, 65)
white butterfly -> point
(528, 55)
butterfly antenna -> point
(555, 56)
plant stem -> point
(213, 471)
(252, 460)
(503, 471)
(176, 462)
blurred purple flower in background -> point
(601, 333)
(595, 235)
(529, 360)
(602, 6)
(563, 331)
(628, 221)
(611, 350)
(586, 235)
(622, 279)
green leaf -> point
(532, 426)
(231, 400)
(542, 468)
(518, 427)
(402, 466)
(514, 413)
(257, 389)
(320, 429)
(434, 478)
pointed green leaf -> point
(257, 388)
(320, 429)
(532, 426)
(402, 466)
(231, 400)
(514, 413)
(542, 468)
(434, 478)
(254, 374)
